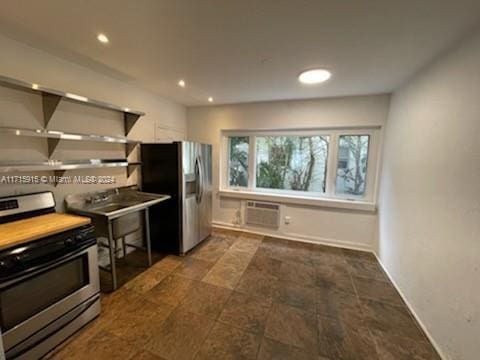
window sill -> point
(301, 200)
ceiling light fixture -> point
(103, 38)
(181, 83)
(314, 76)
(210, 99)
(35, 86)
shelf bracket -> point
(130, 121)
(129, 148)
(131, 169)
(58, 173)
(52, 145)
(50, 103)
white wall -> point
(429, 213)
(339, 227)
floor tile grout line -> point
(359, 300)
(261, 335)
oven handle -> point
(20, 276)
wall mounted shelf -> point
(53, 137)
(59, 167)
(49, 165)
(51, 98)
(55, 134)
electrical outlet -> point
(287, 220)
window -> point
(352, 164)
(297, 163)
(238, 160)
(336, 163)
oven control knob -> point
(3, 264)
(69, 242)
(79, 238)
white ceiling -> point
(244, 50)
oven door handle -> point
(19, 276)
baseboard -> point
(412, 311)
(340, 244)
(296, 237)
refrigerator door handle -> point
(200, 176)
(197, 181)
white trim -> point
(412, 311)
(333, 133)
(300, 200)
(252, 162)
(296, 237)
(321, 128)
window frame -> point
(289, 192)
(228, 163)
(374, 133)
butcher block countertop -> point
(26, 230)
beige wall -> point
(339, 227)
(430, 199)
(164, 119)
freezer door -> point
(190, 191)
(206, 192)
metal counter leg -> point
(147, 233)
(111, 249)
(124, 247)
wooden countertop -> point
(26, 230)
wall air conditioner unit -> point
(264, 214)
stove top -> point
(27, 205)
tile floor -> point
(241, 296)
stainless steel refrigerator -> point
(182, 170)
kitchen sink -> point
(113, 203)
(108, 208)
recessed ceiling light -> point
(103, 38)
(35, 86)
(181, 83)
(314, 76)
(210, 99)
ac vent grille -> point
(262, 214)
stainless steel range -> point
(49, 287)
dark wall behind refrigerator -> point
(161, 174)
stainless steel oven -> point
(49, 288)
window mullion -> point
(226, 162)
(252, 172)
(331, 165)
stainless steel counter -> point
(107, 209)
